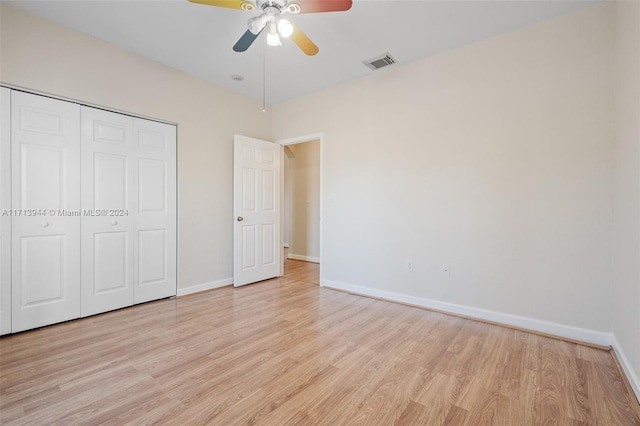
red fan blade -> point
(317, 6)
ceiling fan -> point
(277, 26)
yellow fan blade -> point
(304, 43)
(231, 4)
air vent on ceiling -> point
(380, 61)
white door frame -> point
(294, 141)
(5, 220)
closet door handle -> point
(240, 219)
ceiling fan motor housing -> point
(271, 11)
(279, 4)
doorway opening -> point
(301, 208)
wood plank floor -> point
(299, 270)
(287, 352)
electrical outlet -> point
(445, 269)
(410, 265)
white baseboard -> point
(305, 258)
(565, 331)
(286, 245)
(204, 287)
(626, 367)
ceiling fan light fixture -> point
(273, 39)
(285, 28)
(257, 23)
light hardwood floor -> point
(299, 270)
(287, 352)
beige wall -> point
(302, 180)
(495, 158)
(626, 295)
(43, 56)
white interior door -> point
(45, 179)
(5, 211)
(108, 206)
(256, 199)
(155, 217)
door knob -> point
(114, 222)
(44, 224)
(240, 219)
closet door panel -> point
(5, 211)
(108, 205)
(155, 221)
(45, 181)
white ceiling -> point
(198, 39)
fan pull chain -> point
(264, 79)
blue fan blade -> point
(245, 41)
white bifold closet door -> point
(129, 211)
(108, 207)
(5, 211)
(91, 202)
(45, 183)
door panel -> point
(249, 192)
(111, 268)
(155, 220)
(45, 283)
(107, 206)
(268, 191)
(111, 179)
(5, 207)
(41, 120)
(42, 176)
(153, 256)
(45, 146)
(249, 252)
(257, 202)
(268, 244)
(152, 185)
